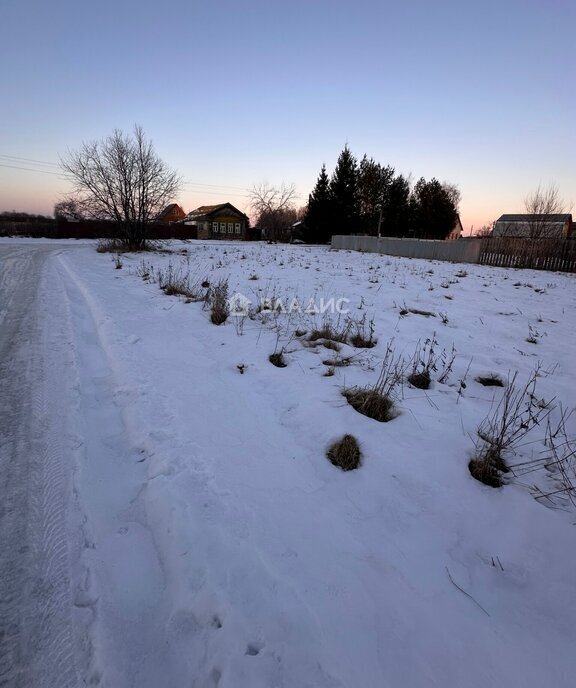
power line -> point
(41, 162)
(17, 158)
(28, 169)
(218, 186)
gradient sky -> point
(233, 93)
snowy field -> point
(219, 546)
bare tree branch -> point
(274, 207)
(539, 205)
(121, 179)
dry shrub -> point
(109, 246)
(218, 299)
(345, 453)
(428, 359)
(329, 344)
(516, 414)
(177, 282)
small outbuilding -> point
(534, 226)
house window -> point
(230, 228)
(237, 228)
(223, 228)
(215, 227)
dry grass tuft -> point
(517, 413)
(370, 402)
(329, 331)
(218, 299)
(278, 360)
(488, 468)
(420, 380)
(175, 282)
(109, 246)
(492, 380)
(345, 453)
(426, 314)
(363, 337)
(338, 362)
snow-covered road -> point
(36, 643)
(168, 517)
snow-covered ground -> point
(220, 547)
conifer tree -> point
(318, 218)
(373, 190)
(434, 210)
(396, 209)
(344, 195)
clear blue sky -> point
(232, 93)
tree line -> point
(369, 198)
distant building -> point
(534, 226)
(457, 230)
(222, 221)
(171, 213)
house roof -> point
(206, 210)
(167, 210)
(525, 217)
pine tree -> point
(373, 190)
(434, 209)
(396, 209)
(318, 220)
(343, 192)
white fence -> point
(458, 251)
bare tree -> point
(122, 179)
(274, 207)
(485, 230)
(68, 209)
(539, 206)
(453, 192)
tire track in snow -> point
(121, 554)
(36, 644)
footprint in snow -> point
(254, 648)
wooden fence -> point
(537, 254)
(91, 229)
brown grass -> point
(360, 342)
(278, 360)
(369, 402)
(328, 331)
(345, 453)
(490, 380)
(338, 362)
(488, 468)
(218, 298)
(420, 380)
(426, 314)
